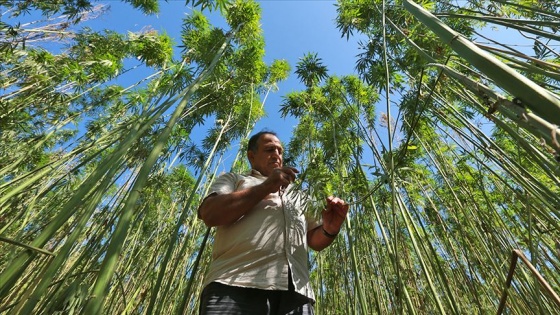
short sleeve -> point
(225, 184)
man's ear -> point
(251, 156)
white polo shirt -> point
(257, 250)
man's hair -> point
(253, 145)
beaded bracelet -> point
(327, 234)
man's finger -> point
(291, 172)
(293, 169)
(335, 200)
(338, 204)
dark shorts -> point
(217, 298)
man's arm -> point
(333, 218)
(318, 240)
(226, 209)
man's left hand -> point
(334, 214)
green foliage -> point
(48, 8)
(310, 70)
(447, 201)
(85, 191)
(146, 6)
(151, 48)
(222, 5)
(279, 70)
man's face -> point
(268, 155)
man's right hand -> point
(280, 178)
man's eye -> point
(274, 149)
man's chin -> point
(269, 170)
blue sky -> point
(294, 28)
(291, 29)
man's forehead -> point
(270, 140)
(272, 143)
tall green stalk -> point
(163, 266)
(539, 100)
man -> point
(259, 257)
